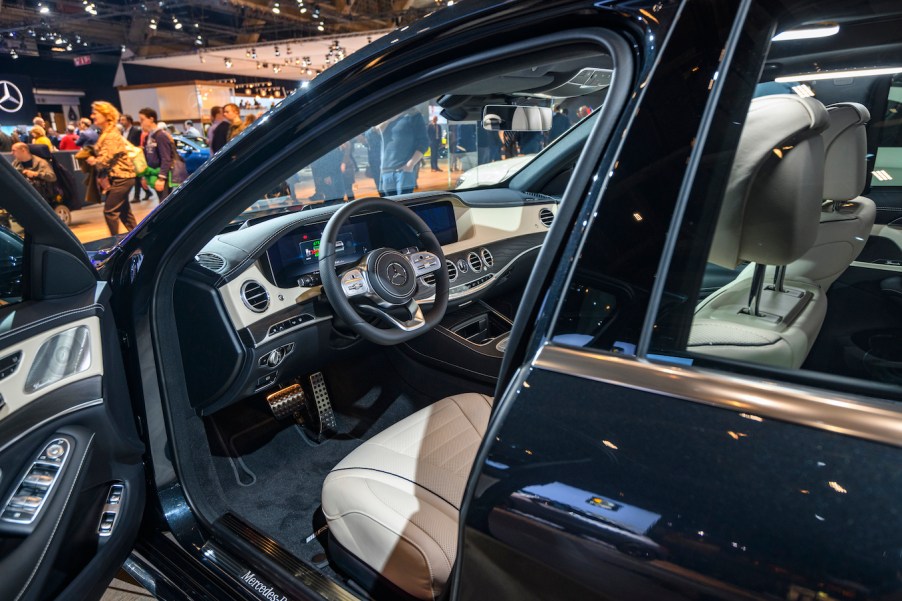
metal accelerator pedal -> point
(321, 408)
(287, 402)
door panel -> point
(72, 487)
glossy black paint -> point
(611, 491)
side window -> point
(766, 276)
(11, 259)
(888, 164)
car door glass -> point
(11, 259)
(770, 278)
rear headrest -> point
(845, 151)
(771, 207)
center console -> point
(469, 342)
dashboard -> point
(254, 294)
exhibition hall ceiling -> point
(137, 29)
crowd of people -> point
(108, 145)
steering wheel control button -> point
(424, 263)
(354, 283)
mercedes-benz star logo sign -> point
(10, 97)
(397, 274)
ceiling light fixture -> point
(43, 9)
(228, 63)
(153, 24)
(276, 8)
(807, 33)
(254, 53)
(843, 74)
(276, 49)
(321, 26)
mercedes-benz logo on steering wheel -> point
(11, 99)
(397, 275)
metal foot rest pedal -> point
(321, 407)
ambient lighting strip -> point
(838, 74)
(806, 33)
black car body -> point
(620, 459)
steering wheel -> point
(384, 281)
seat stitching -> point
(467, 417)
(372, 469)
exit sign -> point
(81, 61)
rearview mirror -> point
(502, 117)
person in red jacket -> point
(67, 142)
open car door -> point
(71, 470)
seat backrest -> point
(769, 216)
(771, 207)
(846, 218)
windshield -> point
(451, 142)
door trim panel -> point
(861, 417)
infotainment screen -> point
(439, 216)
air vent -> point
(429, 279)
(487, 257)
(546, 217)
(474, 261)
(211, 261)
(452, 271)
(255, 296)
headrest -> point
(845, 151)
(771, 206)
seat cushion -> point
(394, 501)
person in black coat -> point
(133, 135)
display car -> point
(194, 151)
(660, 360)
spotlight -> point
(276, 8)
(69, 47)
(321, 26)
(43, 9)
(228, 63)
(303, 9)
(276, 48)
(178, 25)
(153, 24)
(253, 53)
(199, 41)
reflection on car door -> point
(71, 470)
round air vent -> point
(211, 261)
(254, 296)
(429, 279)
(546, 217)
(474, 261)
(452, 271)
(487, 257)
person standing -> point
(232, 115)
(87, 135)
(110, 155)
(133, 135)
(434, 131)
(67, 142)
(190, 130)
(560, 122)
(218, 133)
(158, 151)
(404, 142)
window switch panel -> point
(25, 504)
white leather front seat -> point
(393, 503)
(770, 216)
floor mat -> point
(273, 472)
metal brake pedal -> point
(287, 402)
